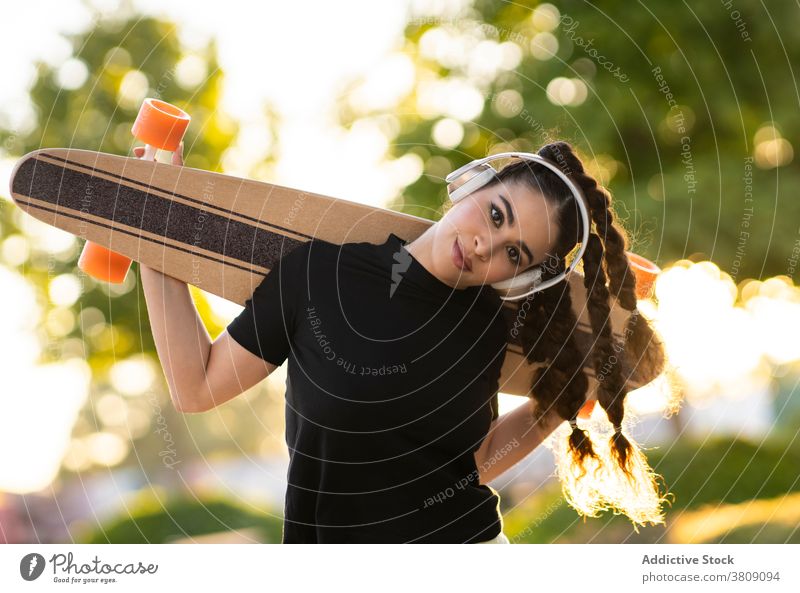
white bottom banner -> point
(362, 567)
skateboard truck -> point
(160, 126)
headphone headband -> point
(474, 175)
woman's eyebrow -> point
(510, 219)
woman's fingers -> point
(177, 156)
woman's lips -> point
(458, 257)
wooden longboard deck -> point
(223, 233)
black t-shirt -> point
(391, 386)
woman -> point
(395, 353)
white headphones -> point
(474, 175)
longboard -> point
(223, 234)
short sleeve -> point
(265, 326)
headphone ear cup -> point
(521, 283)
(469, 181)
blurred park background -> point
(686, 112)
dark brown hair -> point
(547, 334)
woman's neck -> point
(421, 249)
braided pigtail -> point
(642, 344)
(561, 383)
(611, 390)
(607, 272)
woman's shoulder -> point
(306, 251)
(322, 257)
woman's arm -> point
(181, 339)
(511, 438)
(200, 375)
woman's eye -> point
(499, 219)
(515, 257)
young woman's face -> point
(497, 232)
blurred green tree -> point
(684, 112)
(90, 102)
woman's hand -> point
(512, 437)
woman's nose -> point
(481, 247)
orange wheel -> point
(646, 273)
(103, 264)
(160, 124)
(586, 410)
